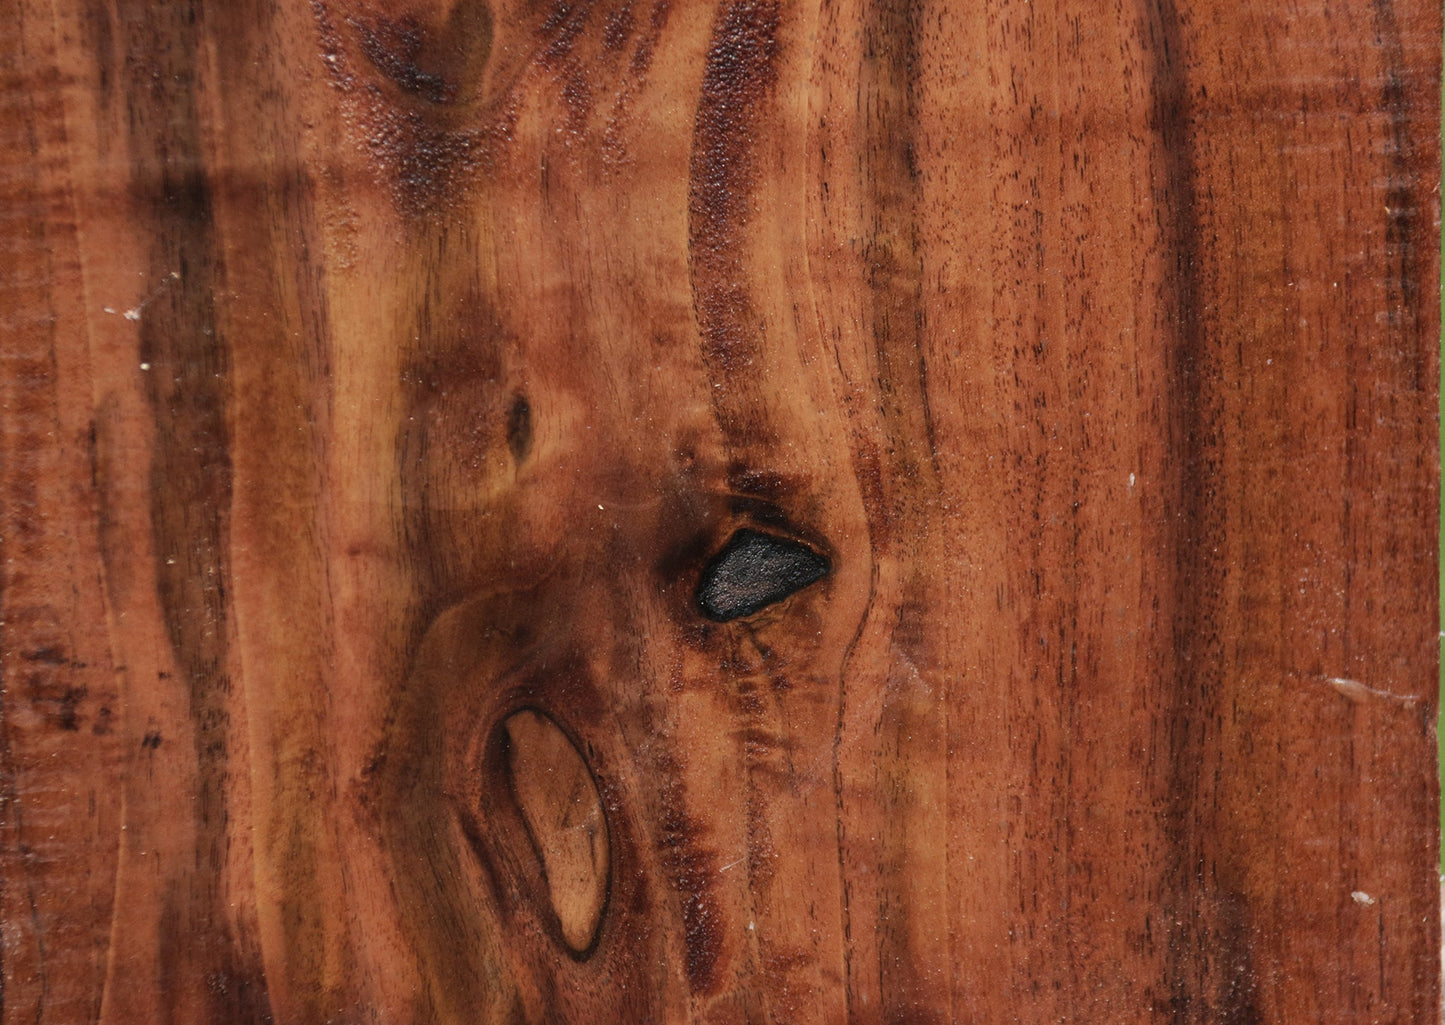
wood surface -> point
(385, 381)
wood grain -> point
(390, 387)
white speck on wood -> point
(1357, 691)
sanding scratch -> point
(133, 314)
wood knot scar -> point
(560, 804)
(755, 570)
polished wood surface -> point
(741, 512)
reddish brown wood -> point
(380, 381)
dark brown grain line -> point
(1409, 263)
(738, 77)
(186, 362)
(1209, 968)
(906, 447)
(892, 255)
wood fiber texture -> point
(382, 378)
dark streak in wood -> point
(519, 428)
(892, 254)
(1405, 221)
(1196, 656)
(693, 870)
(187, 367)
(739, 75)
